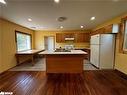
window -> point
(125, 37)
(23, 41)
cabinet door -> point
(69, 35)
(86, 37)
(60, 38)
(88, 53)
(82, 37)
(108, 29)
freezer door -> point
(107, 51)
(95, 39)
(95, 55)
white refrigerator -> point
(102, 50)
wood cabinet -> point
(55, 63)
(99, 31)
(69, 35)
(60, 38)
(82, 37)
(108, 29)
(78, 37)
(87, 57)
(113, 28)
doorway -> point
(49, 43)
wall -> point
(8, 43)
(120, 59)
(39, 39)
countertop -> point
(72, 52)
(29, 52)
(82, 48)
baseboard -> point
(121, 74)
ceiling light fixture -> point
(93, 18)
(56, 1)
(61, 19)
(82, 26)
(2, 1)
(61, 27)
(29, 19)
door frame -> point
(47, 37)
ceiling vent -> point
(61, 19)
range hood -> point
(69, 39)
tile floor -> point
(40, 66)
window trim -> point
(25, 34)
(122, 35)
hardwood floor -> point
(87, 83)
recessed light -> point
(61, 27)
(92, 18)
(56, 1)
(82, 26)
(29, 19)
(2, 1)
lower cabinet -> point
(87, 57)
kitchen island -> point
(64, 62)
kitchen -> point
(63, 47)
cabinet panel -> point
(108, 29)
(82, 37)
(69, 35)
(79, 37)
(60, 38)
(113, 28)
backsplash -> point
(76, 45)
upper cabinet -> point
(77, 37)
(60, 38)
(113, 28)
(69, 35)
(82, 37)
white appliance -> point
(102, 50)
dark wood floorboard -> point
(87, 83)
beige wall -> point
(120, 59)
(39, 39)
(9, 45)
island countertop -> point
(71, 52)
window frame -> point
(24, 34)
(122, 35)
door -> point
(49, 43)
(95, 54)
(107, 51)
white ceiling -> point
(78, 12)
